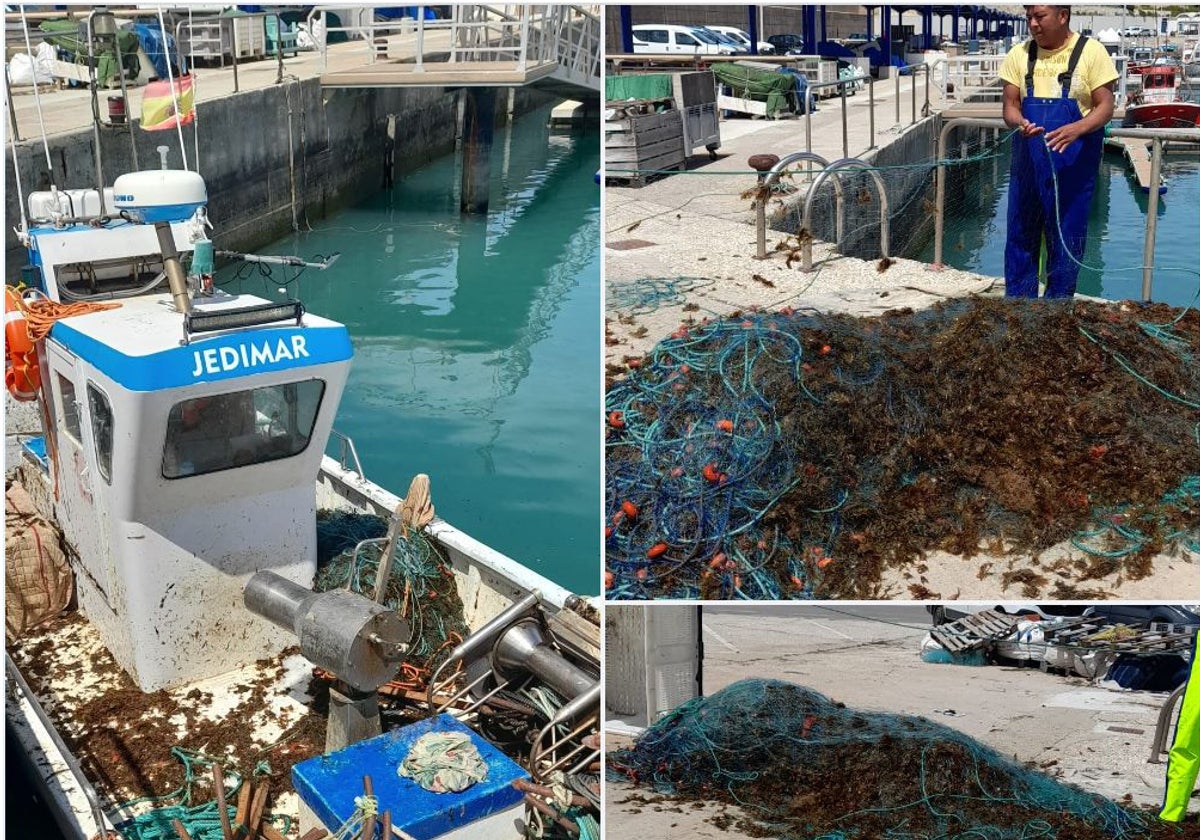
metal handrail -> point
(1163, 725)
(347, 446)
(833, 170)
(1156, 135)
(772, 178)
(68, 758)
(566, 35)
(841, 85)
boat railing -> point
(26, 693)
(557, 748)
(1156, 136)
(347, 450)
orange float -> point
(22, 373)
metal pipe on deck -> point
(478, 119)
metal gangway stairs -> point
(554, 47)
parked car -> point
(786, 44)
(737, 46)
(671, 38)
(1049, 612)
(743, 38)
(1141, 613)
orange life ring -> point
(22, 373)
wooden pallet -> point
(1120, 638)
(974, 630)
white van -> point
(743, 38)
(669, 38)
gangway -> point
(554, 47)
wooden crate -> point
(645, 143)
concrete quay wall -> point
(255, 146)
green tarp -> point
(643, 86)
(759, 85)
(66, 35)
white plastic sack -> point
(21, 68)
(304, 40)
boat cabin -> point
(181, 447)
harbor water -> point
(976, 224)
(476, 341)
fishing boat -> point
(1159, 104)
(207, 675)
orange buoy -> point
(22, 373)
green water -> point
(976, 224)
(477, 343)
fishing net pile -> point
(420, 587)
(796, 455)
(803, 767)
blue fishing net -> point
(797, 455)
(804, 767)
(421, 585)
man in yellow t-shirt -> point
(1058, 93)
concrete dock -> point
(698, 224)
(1137, 155)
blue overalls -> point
(1031, 199)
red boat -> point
(1158, 105)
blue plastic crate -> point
(329, 783)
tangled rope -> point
(202, 821)
(41, 314)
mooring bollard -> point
(762, 164)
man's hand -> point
(1029, 129)
(1065, 135)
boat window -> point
(70, 409)
(223, 431)
(102, 430)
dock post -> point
(479, 116)
(1151, 218)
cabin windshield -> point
(239, 429)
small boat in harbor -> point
(1159, 104)
(218, 669)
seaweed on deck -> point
(786, 454)
(804, 767)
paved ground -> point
(868, 657)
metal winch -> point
(360, 642)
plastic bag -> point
(21, 68)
